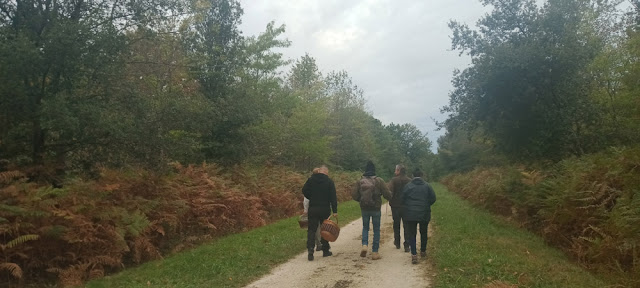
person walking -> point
(396, 185)
(367, 191)
(417, 198)
(305, 204)
(321, 192)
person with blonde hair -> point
(321, 192)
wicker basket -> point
(303, 221)
(329, 230)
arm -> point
(305, 190)
(384, 189)
(432, 196)
(305, 204)
(404, 193)
(391, 187)
(333, 198)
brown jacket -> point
(381, 188)
(396, 185)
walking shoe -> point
(375, 256)
(397, 243)
(326, 253)
(319, 248)
(363, 253)
(414, 259)
(310, 256)
(407, 249)
(423, 254)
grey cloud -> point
(396, 50)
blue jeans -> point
(375, 215)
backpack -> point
(368, 192)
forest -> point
(131, 129)
(544, 126)
(134, 129)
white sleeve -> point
(305, 203)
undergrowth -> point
(587, 206)
(91, 228)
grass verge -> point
(472, 248)
(231, 261)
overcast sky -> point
(398, 51)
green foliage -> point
(472, 248)
(587, 206)
(529, 86)
(218, 263)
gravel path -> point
(347, 269)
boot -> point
(310, 256)
(363, 253)
(319, 247)
(397, 243)
(326, 253)
(375, 256)
(423, 254)
(414, 259)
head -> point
(323, 170)
(401, 170)
(370, 167)
(418, 173)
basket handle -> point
(337, 220)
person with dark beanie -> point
(417, 198)
(396, 185)
(321, 192)
(368, 191)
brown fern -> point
(13, 268)
(7, 177)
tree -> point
(528, 86)
(58, 58)
(413, 145)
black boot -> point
(310, 256)
(397, 243)
(326, 253)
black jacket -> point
(321, 192)
(417, 198)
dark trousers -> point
(398, 214)
(316, 216)
(412, 227)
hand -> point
(335, 215)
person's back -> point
(367, 191)
(321, 192)
(318, 190)
(396, 185)
(417, 198)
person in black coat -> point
(321, 192)
(417, 198)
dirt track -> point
(347, 269)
